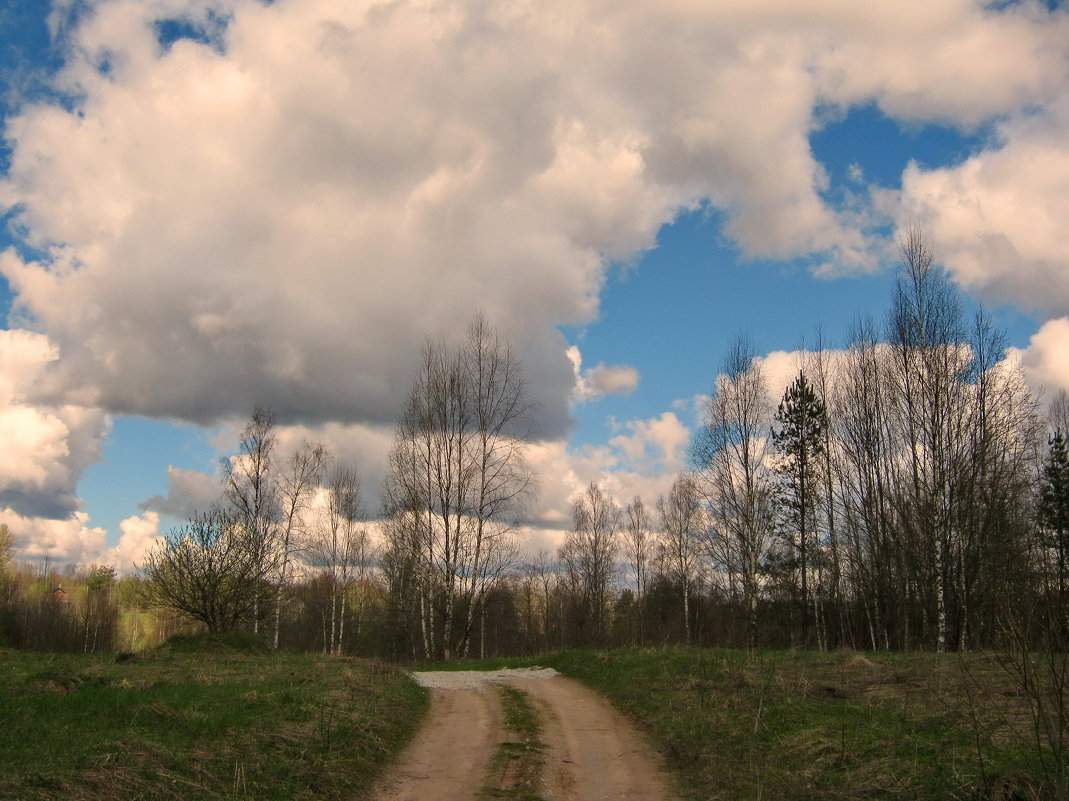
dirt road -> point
(592, 752)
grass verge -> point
(518, 761)
(835, 726)
(198, 722)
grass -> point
(199, 719)
(803, 725)
(516, 766)
(206, 719)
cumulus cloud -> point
(68, 541)
(47, 447)
(75, 541)
(281, 211)
(641, 459)
(601, 380)
(1045, 362)
(188, 493)
(998, 220)
(282, 208)
(139, 534)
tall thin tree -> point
(799, 441)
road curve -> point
(593, 753)
(449, 756)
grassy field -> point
(803, 725)
(199, 720)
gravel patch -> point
(477, 679)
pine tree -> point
(1054, 503)
(802, 418)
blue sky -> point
(213, 204)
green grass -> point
(516, 767)
(197, 720)
(803, 725)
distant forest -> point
(906, 492)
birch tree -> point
(251, 491)
(588, 558)
(296, 488)
(639, 546)
(681, 530)
(340, 546)
(736, 479)
(457, 482)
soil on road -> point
(592, 752)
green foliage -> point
(212, 722)
(802, 418)
(101, 579)
(1054, 492)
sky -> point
(209, 205)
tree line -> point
(905, 492)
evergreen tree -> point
(802, 418)
(1054, 503)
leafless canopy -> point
(457, 484)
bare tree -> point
(296, 487)
(340, 545)
(7, 546)
(588, 558)
(933, 438)
(100, 612)
(682, 526)
(731, 454)
(1058, 412)
(252, 492)
(208, 569)
(928, 370)
(639, 549)
(863, 465)
(457, 482)
(819, 366)
(547, 575)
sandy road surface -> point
(449, 756)
(593, 753)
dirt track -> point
(592, 751)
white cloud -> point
(75, 541)
(283, 215)
(139, 536)
(47, 447)
(69, 541)
(642, 460)
(601, 380)
(998, 220)
(1045, 362)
